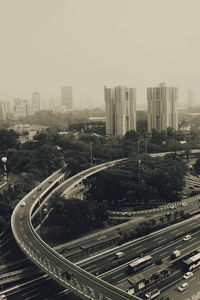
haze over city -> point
(99, 150)
(88, 44)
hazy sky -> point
(45, 44)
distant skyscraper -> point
(66, 97)
(35, 101)
(190, 98)
(120, 106)
(22, 108)
(162, 108)
(2, 111)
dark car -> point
(158, 262)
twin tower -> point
(120, 107)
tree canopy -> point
(160, 180)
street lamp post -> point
(40, 212)
(190, 167)
(91, 154)
(138, 148)
(4, 160)
(139, 162)
(146, 143)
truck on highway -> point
(175, 254)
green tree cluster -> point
(8, 139)
(75, 216)
(161, 180)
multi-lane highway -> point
(159, 244)
(80, 282)
(163, 242)
(69, 275)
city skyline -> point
(154, 41)
(100, 149)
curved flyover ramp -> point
(69, 275)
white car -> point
(172, 207)
(188, 275)
(184, 204)
(23, 204)
(120, 254)
(184, 286)
(187, 237)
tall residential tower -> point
(66, 97)
(162, 108)
(120, 107)
(190, 98)
(35, 101)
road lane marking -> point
(91, 266)
(162, 240)
(33, 296)
(162, 254)
(136, 247)
(123, 279)
(29, 292)
(117, 276)
(157, 238)
(95, 270)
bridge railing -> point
(79, 281)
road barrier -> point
(72, 277)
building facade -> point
(4, 110)
(66, 97)
(190, 98)
(35, 101)
(120, 107)
(162, 108)
(22, 108)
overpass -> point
(69, 275)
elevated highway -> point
(69, 275)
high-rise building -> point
(162, 108)
(190, 98)
(35, 101)
(66, 97)
(20, 102)
(2, 111)
(22, 108)
(120, 107)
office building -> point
(35, 101)
(120, 107)
(22, 108)
(66, 97)
(162, 108)
(2, 111)
(190, 98)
